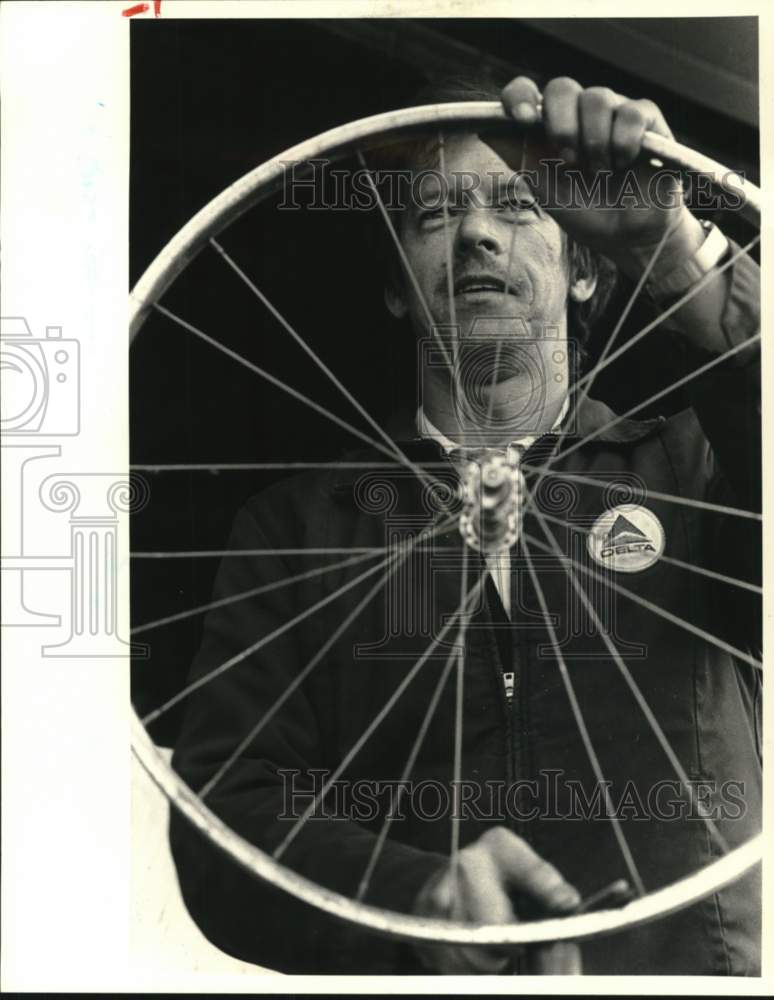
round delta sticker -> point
(627, 538)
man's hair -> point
(410, 153)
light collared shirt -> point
(498, 563)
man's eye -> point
(431, 214)
(517, 203)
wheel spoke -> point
(440, 528)
(634, 688)
(579, 400)
(732, 581)
(661, 612)
(276, 466)
(208, 226)
(711, 573)
(312, 354)
(694, 290)
(409, 270)
(449, 250)
(260, 643)
(235, 598)
(717, 508)
(225, 553)
(407, 772)
(217, 671)
(495, 371)
(372, 726)
(279, 384)
(546, 467)
(302, 676)
(506, 290)
(521, 173)
(708, 366)
(581, 724)
(458, 724)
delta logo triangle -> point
(627, 538)
(624, 531)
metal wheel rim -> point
(214, 217)
(263, 180)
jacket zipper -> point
(508, 681)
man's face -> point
(507, 255)
(509, 284)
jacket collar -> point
(428, 429)
(593, 415)
(592, 418)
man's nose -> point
(478, 229)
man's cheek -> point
(546, 245)
(548, 306)
(548, 282)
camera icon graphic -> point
(504, 376)
(40, 381)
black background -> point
(210, 101)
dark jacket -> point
(706, 699)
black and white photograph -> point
(431, 559)
(451, 419)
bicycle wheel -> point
(201, 233)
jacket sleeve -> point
(726, 401)
(727, 398)
(236, 911)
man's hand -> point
(593, 130)
(488, 872)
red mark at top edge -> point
(141, 8)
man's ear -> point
(395, 301)
(583, 287)
(583, 274)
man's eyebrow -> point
(427, 156)
(507, 183)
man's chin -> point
(490, 307)
(494, 313)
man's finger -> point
(629, 125)
(560, 115)
(482, 962)
(596, 107)
(654, 119)
(476, 895)
(460, 961)
(527, 872)
(560, 958)
(482, 898)
(481, 889)
(521, 99)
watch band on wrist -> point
(690, 271)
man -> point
(504, 270)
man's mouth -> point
(481, 284)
